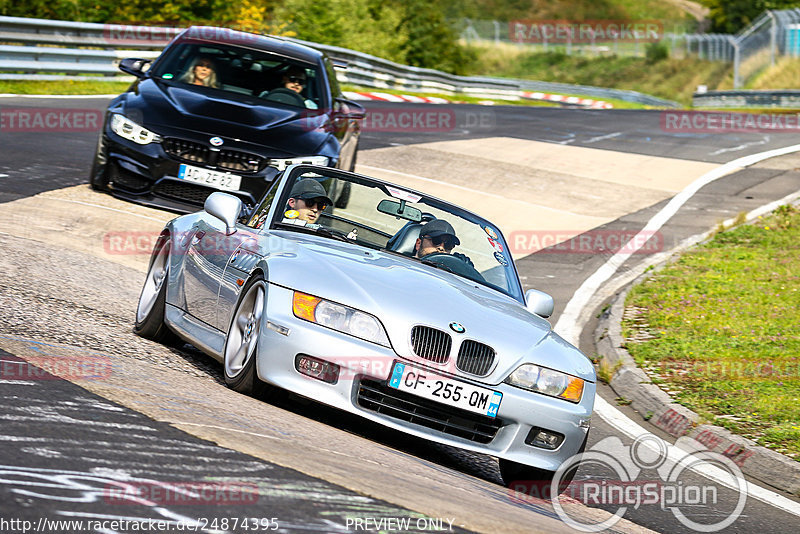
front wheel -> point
(150, 311)
(241, 343)
(98, 176)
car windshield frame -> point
(277, 221)
(253, 79)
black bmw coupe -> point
(222, 110)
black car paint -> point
(248, 125)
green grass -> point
(671, 78)
(726, 321)
(62, 87)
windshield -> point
(395, 219)
(242, 71)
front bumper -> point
(361, 389)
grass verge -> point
(724, 330)
(62, 87)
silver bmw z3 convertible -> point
(378, 300)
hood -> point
(164, 107)
(403, 292)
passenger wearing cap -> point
(307, 199)
(437, 236)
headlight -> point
(338, 317)
(547, 381)
(126, 128)
(281, 164)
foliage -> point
(656, 52)
(732, 16)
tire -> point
(536, 481)
(241, 343)
(150, 310)
(98, 176)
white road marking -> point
(469, 189)
(570, 323)
(604, 137)
(18, 382)
(740, 147)
(3, 176)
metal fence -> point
(771, 35)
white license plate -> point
(445, 390)
(219, 180)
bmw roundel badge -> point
(458, 328)
(216, 141)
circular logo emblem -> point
(458, 328)
(216, 141)
(291, 214)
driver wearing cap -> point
(437, 236)
(307, 199)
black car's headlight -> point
(547, 382)
(127, 129)
(339, 317)
(281, 164)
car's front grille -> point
(475, 358)
(378, 397)
(194, 194)
(187, 150)
(233, 160)
(431, 344)
(225, 159)
(123, 179)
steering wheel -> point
(283, 95)
(454, 264)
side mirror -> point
(351, 110)
(134, 65)
(539, 302)
(224, 207)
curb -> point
(574, 100)
(527, 95)
(658, 408)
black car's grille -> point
(378, 397)
(431, 344)
(194, 194)
(475, 358)
(122, 179)
(187, 150)
(233, 160)
(225, 159)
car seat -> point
(405, 238)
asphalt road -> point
(50, 429)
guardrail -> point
(49, 49)
(786, 99)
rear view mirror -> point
(224, 207)
(134, 65)
(539, 303)
(400, 209)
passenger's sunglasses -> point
(320, 203)
(297, 79)
(446, 240)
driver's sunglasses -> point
(320, 203)
(297, 79)
(447, 241)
